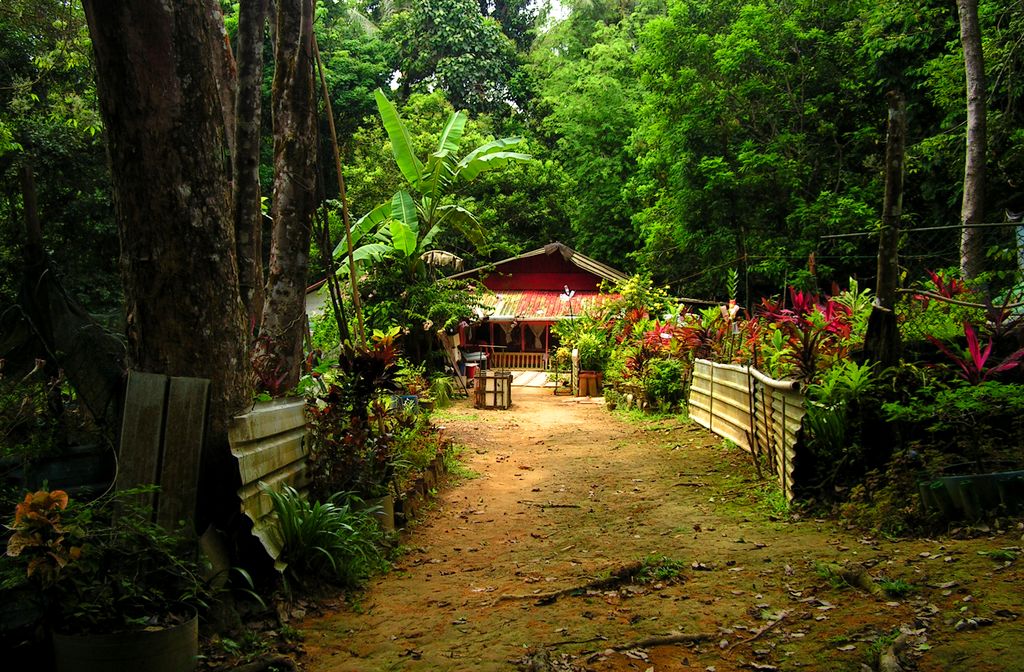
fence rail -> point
(529, 361)
(757, 413)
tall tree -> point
(973, 208)
(279, 348)
(588, 110)
(449, 44)
(156, 71)
(245, 170)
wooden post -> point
(547, 343)
(882, 341)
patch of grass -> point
(454, 466)
(1000, 555)
(896, 587)
(289, 633)
(881, 643)
(824, 570)
(455, 414)
(250, 646)
(634, 415)
(772, 500)
(659, 569)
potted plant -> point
(593, 358)
(117, 591)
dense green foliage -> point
(680, 137)
(50, 126)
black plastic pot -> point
(173, 649)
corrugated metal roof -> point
(572, 256)
(539, 305)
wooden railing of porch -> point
(528, 361)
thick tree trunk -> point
(279, 348)
(972, 252)
(227, 76)
(33, 229)
(252, 16)
(156, 71)
(882, 341)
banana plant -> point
(406, 226)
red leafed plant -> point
(973, 367)
(814, 331)
(40, 535)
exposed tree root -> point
(665, 640)
(856, 577)
(623, 574)
(889, 660)
(757, 634)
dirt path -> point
(569, 492)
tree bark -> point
(279, 348)
(156, 72)
(972, 210)
(227, 76)
(33, 229)
(252, 17)
(882, 340)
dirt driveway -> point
(569, 493)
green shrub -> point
(666, 386)
(337, 540)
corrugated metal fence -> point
(269, 443)
(757, 413)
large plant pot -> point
(173, 649)
(590, 383)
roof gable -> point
(551, 267)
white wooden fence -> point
(757, 413)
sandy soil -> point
(568, 492)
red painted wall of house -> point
(542, 272)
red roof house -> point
(531, 292)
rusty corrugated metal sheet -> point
(539, 305)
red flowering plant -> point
(814, 334)
(945, 286)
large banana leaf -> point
(438, 173)
(463, 221)
(365, 225)
(490, 161)
(488, 156)
(368, 252)
(401, 143)
(405, 228)
(428, 239)
(451, 137)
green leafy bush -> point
(103, 566)
(337, 540)
(666, 386)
